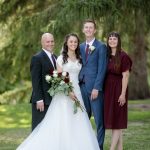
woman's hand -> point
(72, 95)
(122, 100)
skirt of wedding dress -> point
(61, 129)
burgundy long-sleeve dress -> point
(115, 116)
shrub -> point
(19, 94)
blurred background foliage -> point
(24, 21)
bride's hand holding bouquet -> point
(60, 83)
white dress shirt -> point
(49, 54)
(91, 42)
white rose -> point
(62, 82)
(64, 73)
(48, 77)
(55, 75)
(92, 48)
(55, 72)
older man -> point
(41, 64)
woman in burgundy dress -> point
(116, 91)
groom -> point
(41, 64)
(91, 77)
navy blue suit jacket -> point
(94, 69)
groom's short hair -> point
(90, 20)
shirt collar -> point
(91, 42)
(47, 52)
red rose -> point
(51, 71)
(66, 80)
(59, 74)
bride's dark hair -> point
(65, 49)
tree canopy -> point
(23, 22)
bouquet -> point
(60, 83)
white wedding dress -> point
(61, 129)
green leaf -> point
(52, 92)
(75, 108)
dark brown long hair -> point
(117, 61)
(65, 49)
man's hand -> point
(40, 106)
(94, 94)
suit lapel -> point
(55, 56)
(83, 53)
(95, 43)
(46, 58)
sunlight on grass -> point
(15, 126)
(136, 115)
(24, 121)
(3, 109)
(15, 116)
(9, 119)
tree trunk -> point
(138, 85)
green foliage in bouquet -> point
(60, 83)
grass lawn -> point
(15, 123)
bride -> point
(61, 129)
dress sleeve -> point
(126, 63)
(59, 61)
